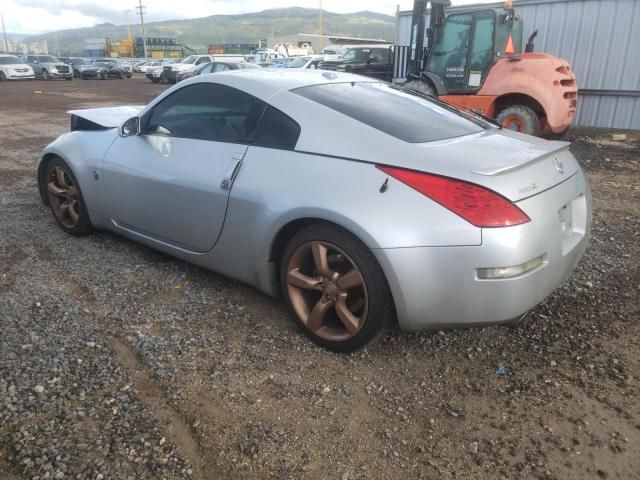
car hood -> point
(110, 117)
(15, 65)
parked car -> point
(103, 70)
(189, 63)
(77, 64)
(308, 61)
(49, 68)
(371, 61)
(148, 65)
(157, 74)
(215, 67)
(13, 68)
(413, 210)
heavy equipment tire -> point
(45, 75)
(422, 87)
(327, 274)
(519, 118)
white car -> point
(149, 66)
(302, 63)
(189, 63)
(12, 68)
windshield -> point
(298, 62)
(48, 59)
(396, 111)
(357, 54)
(190, 59)
(10, 61)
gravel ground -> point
(119, 362)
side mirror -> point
(130, 127)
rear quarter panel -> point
(275, 187)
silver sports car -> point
(360, 202)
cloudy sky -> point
(37, 16)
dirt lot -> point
(119, 362)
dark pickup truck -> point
(371, 61)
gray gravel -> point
(119, 362)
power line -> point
(142, 10)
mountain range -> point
(197, 33)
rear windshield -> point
(395, 111)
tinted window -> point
(206, 111)
(219, 67)
(382, 55)
(449, 57)
(277, 130)
(393, 110)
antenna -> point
(142, 9)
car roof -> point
(264, 83)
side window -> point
(277, 130)
(448, 58)
(206, 111)
(382, 54)
(220, 67)
(481, 49)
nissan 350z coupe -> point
(360, 202)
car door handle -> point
(228, 178)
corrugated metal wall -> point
(599, 38)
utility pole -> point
(4, 32)
(142, 9)
(321, 28)
(129, 32)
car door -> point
(379, 63)
(172, 182)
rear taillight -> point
(477, 205)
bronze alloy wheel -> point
(63, 197)
(327, 291)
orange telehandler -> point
(473, 59)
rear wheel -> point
(520, 119)
(335, 288)
(422, 87)
(3, 77)
(45, 75)
(155, 80)
(65, 199)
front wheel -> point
(520, 119)
(3, 77)
(45, 75)
(155, 80)
(65, 199)
(103, 76)
(335, 288)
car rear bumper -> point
(438, 287)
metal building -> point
(601, 41)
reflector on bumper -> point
(509, 272)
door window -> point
(382, 55)
(481, 49)
(220, 67)
(448, 59)
(206, 111)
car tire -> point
(45, 75)
(155, 80)
(65, 198)
(335, 288)
(3, 77)
(519, 118)
(68, 78)
(103, 76)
